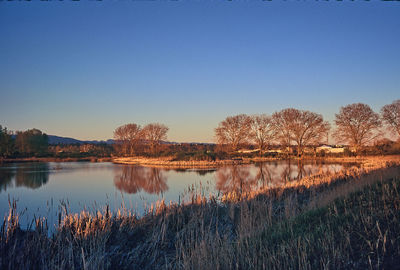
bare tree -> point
(309, 129)
(121, 140)
(301, 127)
(357, 124)
(128, 136)
(6, 142)
(233, 131)
(154, 134)
(262, 132)
(282, 122)
(391, 116)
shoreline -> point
(167, 162)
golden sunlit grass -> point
(348, 219)
(169, 162)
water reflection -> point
(6, 177)
(83, 183)
(32, 176)
(239, 179)
(236, 179)
(205, 172)
(200, 172)
(133, 179)
(293, 171)
(264, 174)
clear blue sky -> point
(81, 69)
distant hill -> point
(53, 139)
(65, 140)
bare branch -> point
(391, 116)
(128, 136)
(357, 124)
(233, 131)
(262, 132)
(154, 134)
(300, 127)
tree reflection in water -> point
(32, 176)
(264, 174)
(132, 179)
(293, 171)
(237, 179)
(205, 172)
(6, 177)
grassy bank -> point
(169, 162)
(345, 220)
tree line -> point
(131, 139)
(31, 142)
(356, 125)
(35, 143)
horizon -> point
(81, 69)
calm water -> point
(41, 188)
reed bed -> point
(345, 220)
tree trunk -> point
(299, 150)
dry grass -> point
(346, 220)
(168, 162)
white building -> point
(330, 149)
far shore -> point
(168, 162)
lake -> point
(45, 189)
